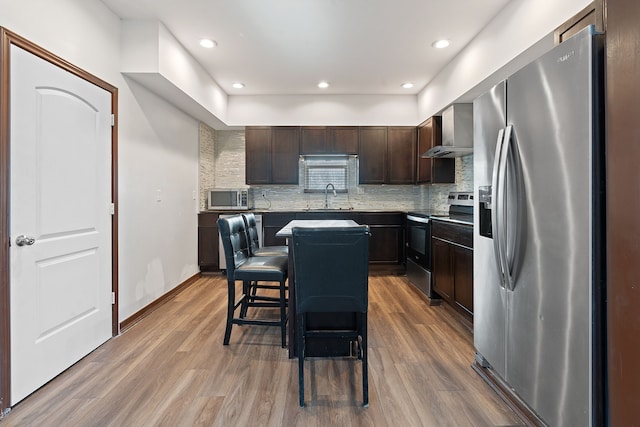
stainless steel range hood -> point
(457, 133)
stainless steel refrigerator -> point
(538, 235)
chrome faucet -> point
(326, 193)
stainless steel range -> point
(418, 242)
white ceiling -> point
(285, 47)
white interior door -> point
(60, 281)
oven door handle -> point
(418, 219)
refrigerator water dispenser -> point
(484, 204)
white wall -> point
(502, 47)
(152, 56)
(333, 110)
(508, 37)
(158, 148)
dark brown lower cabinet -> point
(463, 278)
(452, 274)
(387, 230)
(271, 224)
(208, 242)
(384, 245)
(442, 269)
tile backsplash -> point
(222, 164)
(464, 182)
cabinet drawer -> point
(208, 219)
(335, 215)
(277, 219)
(382, 218)
(455, 233)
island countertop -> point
(316, 223)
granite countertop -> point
(263, 211)
(443, 216)
(433, 214)
(458, 219)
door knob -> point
(22, 240)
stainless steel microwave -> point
(230, 199)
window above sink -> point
(319, 171)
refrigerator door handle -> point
(508, 208)
(496, 213)
(514, 209)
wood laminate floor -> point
(171, 369)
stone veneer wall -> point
(464, 182)
(206, 178)
(222, 164)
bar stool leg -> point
(283, 313)
(300, 350)
(245, 299)
(230, 309)
(365, 365)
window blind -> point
(319, 171)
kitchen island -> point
(386, 252)
(316, 346)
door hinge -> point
(113, 120)
(112, 208)
(113, 298)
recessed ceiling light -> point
(407, 85)
(209, 44)
(323, 85)
(440, 44)
(238, 85)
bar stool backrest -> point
(252, 232)
(234, 240)
(331, 269)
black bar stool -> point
(260, 251)
(241, 266)
(332, 276)
(254, 243)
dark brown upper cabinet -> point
(433, 170)
(329, 140)
(387, 155)
(258, 155)
(343, 139)
(373, 155)
(313, 140)
(593, 14)
(272, 154)
(401, 152)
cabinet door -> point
(401, 152)
(314, 140)
(463, 279)
(435, 171)
(343, 139)
(271, 224)
(285, 153)
(269, 237)
(429, 135)
(385, 245)
(258, 155)
(208, 244)
(372, 149)
(442, 274)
